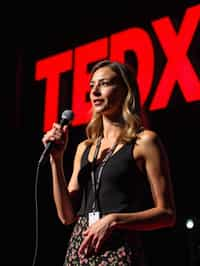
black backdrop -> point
(47, 32)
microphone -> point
(66, 117)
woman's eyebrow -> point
(105, 79)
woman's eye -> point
(105, 83)
(100, 84)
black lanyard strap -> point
(96, 182)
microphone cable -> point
(36, 216)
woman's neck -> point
(111, 128)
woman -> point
(120, 183)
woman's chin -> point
(99, 109)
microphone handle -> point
(44, 156)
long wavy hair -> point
(132, 122)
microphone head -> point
(67, 116)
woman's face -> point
(107, 93)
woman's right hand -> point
(58, 135)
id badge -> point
(93, 217)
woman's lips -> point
(97, 102)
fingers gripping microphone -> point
(66, 117)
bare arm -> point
(64, 195)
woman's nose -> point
(96, 89)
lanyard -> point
(96, 182)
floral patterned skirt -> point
(115, 251)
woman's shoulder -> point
(147, 143)
(82, 146)
(80, 149)
(147, 137)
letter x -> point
(178, 68)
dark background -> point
(41, 31)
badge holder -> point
(93, 217)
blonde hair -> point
(132, 122)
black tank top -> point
(123, 188)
